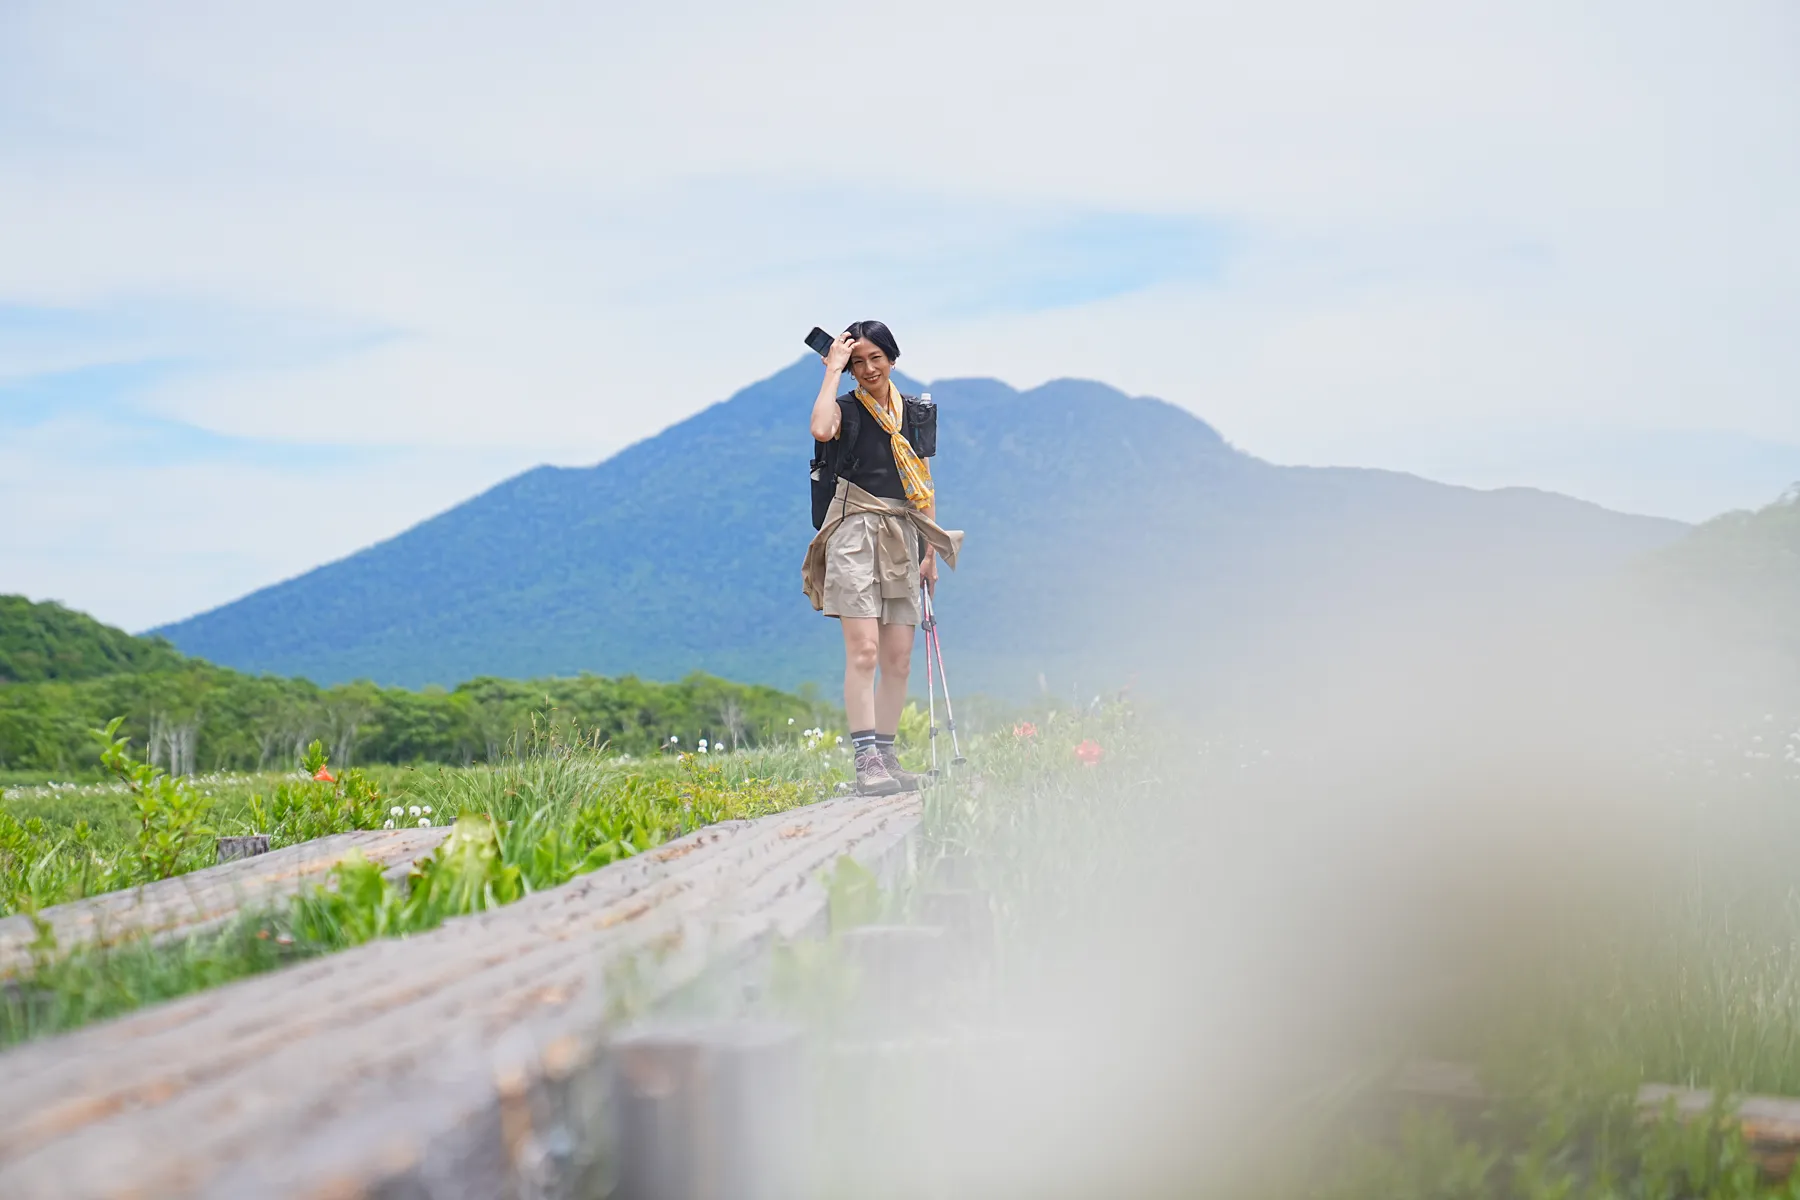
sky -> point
(280, 280)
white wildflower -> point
(427, 810)
(387, 824)
(424, 822)
(396, 811)
(413, 811)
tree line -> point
(198, 717)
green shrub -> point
(171, 813)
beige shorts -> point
(852, 581)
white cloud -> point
(554, 229)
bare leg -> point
(896, 665)
(862, 650)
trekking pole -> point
(937, 643)
(930, 689)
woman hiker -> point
(878, 543)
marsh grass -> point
(70, 990)
(1554, 1150)
(60, 843)
(526, 824)
(66, 840)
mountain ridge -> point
(1083, 506)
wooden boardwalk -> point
(199, 900)
(462, 1063)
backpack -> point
(918, 422)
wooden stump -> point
(710, 1111)
(245, 846)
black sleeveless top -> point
(867, 460)
(871, 456)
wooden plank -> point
(460, 1063)
(1771, 1124)
(190, 903)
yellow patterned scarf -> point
(915, 474)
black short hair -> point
(881, 335)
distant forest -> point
(63, 674)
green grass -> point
(66, 840)
(69, 991)
(526, 824)
(1599, 1149)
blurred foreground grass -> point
(1233, 944)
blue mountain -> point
(1107, 535)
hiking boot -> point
(908, 781)
(872, 778)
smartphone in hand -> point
(820, 341)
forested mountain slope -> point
(47, 641)
(1107, 535)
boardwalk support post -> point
(710, 1110)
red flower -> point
(1089, 752)
(1024, 729)
(325, 776)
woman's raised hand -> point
(838, 357)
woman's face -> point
(871, 368)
